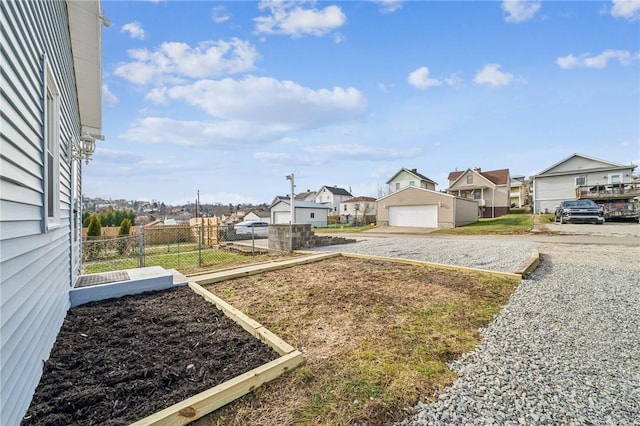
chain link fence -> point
(186, 248)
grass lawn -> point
(339, 228)
(185, 262)
(503, 225)
(377, 337)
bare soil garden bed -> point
(376, 336)
(120, 360)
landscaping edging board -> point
(434, 265)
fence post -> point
(140, 246)
(200, 229)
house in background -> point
(262, 215)
(51, 117)
(358, 210)
(304, 212)
(491, 190)
(332, 196)
(412, 206)
(519, 192)
(405, 177)
(581, 177)
(308, 195)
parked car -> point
(252, 227)
(579, 211)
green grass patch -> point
(341, 228)
(503, 225)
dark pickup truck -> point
(579, 211)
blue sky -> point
(230, 97)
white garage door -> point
(283, 217)
(416, 216)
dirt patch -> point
(376, 337)
(120, 360)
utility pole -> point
(197, 203)
(292, 219)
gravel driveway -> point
(564, 350)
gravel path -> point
(564, 350)
(495, 255)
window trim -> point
(469, 179)
(50, 149)
(584, 180)
(612, 175)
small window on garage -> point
(469, 178)
(581, 180)
(313, 215)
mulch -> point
(119, 360)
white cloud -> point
(627, 9)
(520, 10)
(420, 79)
(134, 29)
(290, 18)
(389, 6)
(624, 57)
(322, 154)
(108, 98)
(206, 134)
(285, 105)
(492, 76)
(219, 14)
(174, 61)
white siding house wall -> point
(35, 253)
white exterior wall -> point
(404, 179)
(281, 214)
(367, 207)
(549, 191)
(35, 258)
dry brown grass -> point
(376, 337)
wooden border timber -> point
(528, 266)
(246, 271)
(434, 265)
(199, 405)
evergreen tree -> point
(95, 226)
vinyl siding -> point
(36, 265)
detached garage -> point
(424, 208)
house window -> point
(313, 215)
(615, 179)
(412, 183)
(397, 185)
(469, 179)
(581, 180)
(52, 151)
(476, 195)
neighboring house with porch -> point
(490, 189)
(582, 177)
(409, 177)
(358, 210)
(519, 192)
(51, 117)
(332, 196)
(304, 212)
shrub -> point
(123, 236)
(95, 227)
